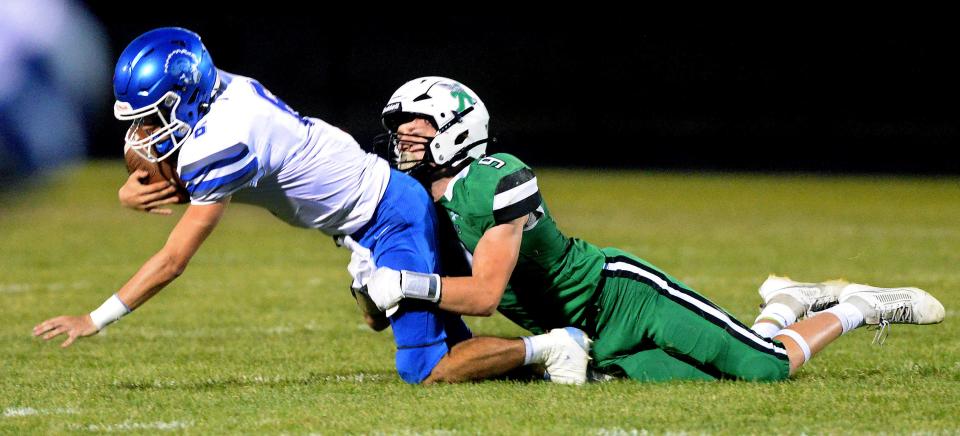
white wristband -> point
(420, 286)
(108, 312)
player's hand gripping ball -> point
(163, 170)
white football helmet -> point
(461, 120)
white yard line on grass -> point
(253, 380)
(15, 288)
(208, 332)
(16, 412)
(355, 378)
(13, 412)
(130, 425)
(617, 431)
(408, 432)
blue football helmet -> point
(164, 78)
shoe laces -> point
(898, 315)
(883, 330)
(820, 304)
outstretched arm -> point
(479, 294)
(193, 228)
(162, 268)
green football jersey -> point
(556, 276)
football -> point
(163, 170)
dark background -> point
(608, 90)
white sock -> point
(766, 329)
(535, 347)
(850, 317)
(801, 342)
(773, 318)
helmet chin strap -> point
(204, 107)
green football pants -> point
(651, 327)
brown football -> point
(163, 170)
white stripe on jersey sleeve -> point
(515, 194)
(231, 168)
(215, 182)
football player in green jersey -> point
(645, 324)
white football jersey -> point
(254, 147)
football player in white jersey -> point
(234, 140)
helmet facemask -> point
(404, 158)
(163, 141)
(396, 147)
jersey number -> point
(492, 162)
(274, 100)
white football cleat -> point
(894, 305)
(885, 306)
(567, 357)
(803, 298)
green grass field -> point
(261, 335)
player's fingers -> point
(54, 333)
(70, 339)
(160, 211)
(45, 326)
(146, 205)
(151, 188)
(40, 328)
(168, 200)
(138, 174)
(163, 194)
(156, 187)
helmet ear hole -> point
(193, 97)
(461, 137)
